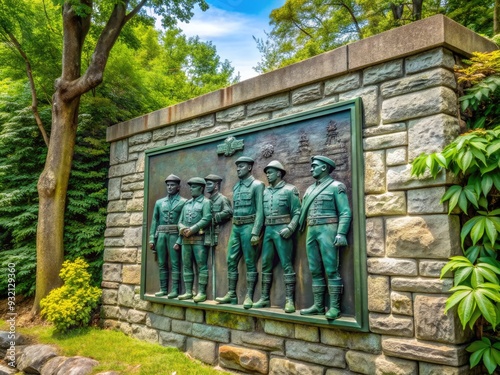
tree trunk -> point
(52, 188)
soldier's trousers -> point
(240, 245)
(273, 243)
(198, 253)
(321, 252)
(165, 249)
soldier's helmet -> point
(196, 181)
(173, 178)
(276, 165)
(324, 159)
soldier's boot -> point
(264, 300)
(188, 284)
(202, 288)
(318, 308)
(174, 293)
(251, 281)
(163, 285)
(230, 296)
(335, 290)
(289, 292)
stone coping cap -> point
(416, 37)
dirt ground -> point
(24, 317)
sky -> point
(230, 25)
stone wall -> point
(406, 82)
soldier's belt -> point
(275, 220)
(167, 229)
(311, 221)
(240, 220)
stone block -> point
(126, 328)
(114, 188)
(119, 170)
(163, 133)
(383, 72)
(421, 104)
(109, 296)
(231, 114)
(118, 152)
(385, 141)
(421, 284)
(112, 272)
(360, 362)
(431, 268)
(384, 129)
(438, 57)
(144, 333)
(306, 94)
(218, 334)
(426, 201)
(110, 285)
(258, 340)
(140, 138)
(131, 274)
(123, 255)
(432, 324)
(315, 353)
(374, 172)
(214, 130)
(140, 304)
(180, 326)
(375, 237)
(118, 220)
(396, 156)
(110, 312)
(133, 236)
(114, 242)
(117, 206)
(135, 316)
(378, 294)
(364, 342)
(243, 359)
(195, 315)
(136, 218)
(274, 327)
(138, 149)
(392, 267)
(251, 120)
(281, 366)
(395, 325)
(306, 333)
(401, 303)
(195, 125)
(205, 351)
(390, 203)
(174, 312)
(417, 82)
(228, 320)
(345, 82)
(425, 351)
(126, 295)
(369, 97)
(431, 134)
(432, 369)
(136, 205)
(173, 340)
(269, 104)
(400, 178)
(159, 322)
(394, 366)
(429, 236)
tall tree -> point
(83, 21)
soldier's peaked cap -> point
(213, 177)
(244, 159)
(196, 181)
(174, 178)
(276, 165)
(325, 160)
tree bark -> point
(496, 18)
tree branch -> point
(29, 73)
(135, 10)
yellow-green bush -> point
(71, 305)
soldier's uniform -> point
(248, 219)
(196, 216)
(221, 212)
(281, 210)
(164, 234)
(325, 208)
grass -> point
(116, 351)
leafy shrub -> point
(474, 157)
(72, 304)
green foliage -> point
(72, 304)
(474, 158)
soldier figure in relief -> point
(221, 208)
(248, 220)
(164, 234)
(281, 216)
(196, 216)
(325, 208)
